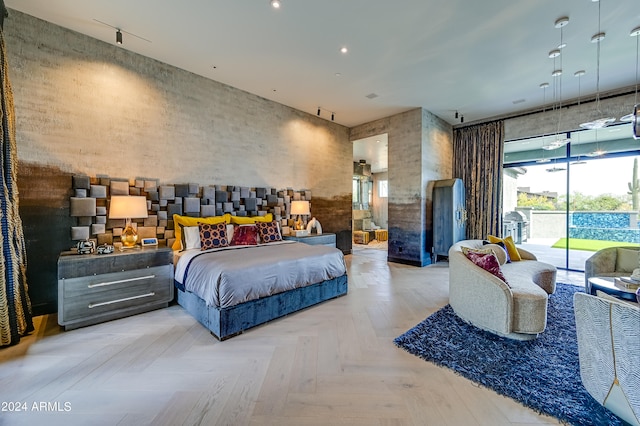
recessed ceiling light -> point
(344, 49)
(275, 4)
(338, 74)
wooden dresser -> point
(95, 288)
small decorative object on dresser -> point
(94, 289)
(314, 224)
(85, 247)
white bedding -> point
(232, 275)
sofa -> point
(611, 262)
(517, 310)
(608, 332)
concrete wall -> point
(420, 151)
(87, 107)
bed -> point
(231, 289)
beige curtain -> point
(477, 160)
(15, 308)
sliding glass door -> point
(567, 196)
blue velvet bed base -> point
(228, 322)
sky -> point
(597, 176)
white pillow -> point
(191, 236)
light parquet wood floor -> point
(332, 364)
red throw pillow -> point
(488, 262)
(245, 235)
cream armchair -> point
(610, 262)
(608, 334)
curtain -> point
(477, 160)
(15, 307)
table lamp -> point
(128, 207)
(300, 208)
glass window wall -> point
(566, 196)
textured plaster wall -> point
(420, 151)
(88, 107)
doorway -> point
(370, 206)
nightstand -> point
(94, 288)
(324, 239)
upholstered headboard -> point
(90, 197)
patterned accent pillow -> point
(245, 235)
(488, 262)
(268, 231)
(213, 235)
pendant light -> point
(599, 122)
(560, 140)
(634, 33)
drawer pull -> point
(110, 302)
(106, 283)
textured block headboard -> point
(90, 201)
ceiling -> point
(481, 58)
(374, 150)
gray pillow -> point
(626, 259)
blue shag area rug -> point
(542, 374)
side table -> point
(606, 285)
(325, 239)
(94, 288)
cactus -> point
(634, 186)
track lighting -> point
(462, 119)
(333, 114)
(456, 114)
(118, 37)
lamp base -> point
(129, 237)
(300, 232)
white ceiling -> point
(477, 57)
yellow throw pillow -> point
(180, 221)
(244, 220)
(509, 244)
